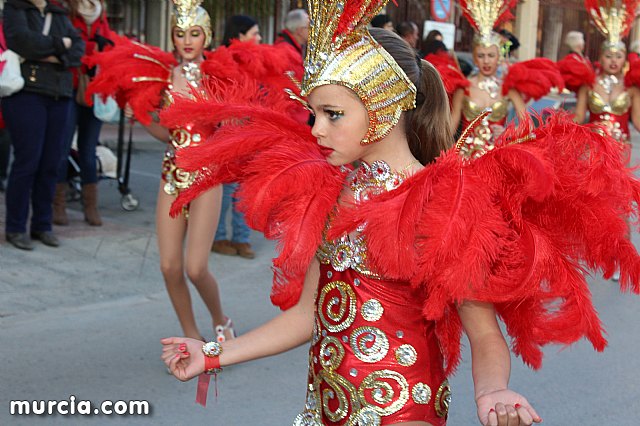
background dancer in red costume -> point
(489, 90)
(148, 80)
(381, 268)
(612, 98)
(158, 78)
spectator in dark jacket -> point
(90, 18)
(37, 115)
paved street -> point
(85, 320)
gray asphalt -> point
(85, 319)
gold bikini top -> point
(619, 106)
(471, 110)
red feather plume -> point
(119, 66)
(450, 73)
(533, 78)
(576, 72)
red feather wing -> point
(133, 73)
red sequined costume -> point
(140, 75)
(613, 20)
(510, 228)
(532, 79)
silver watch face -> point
(212, 349)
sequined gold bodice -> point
(618, 106)
(374, 359)
(500, 109)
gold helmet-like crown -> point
(341, 51)
(484, 16)
(613, 19)
(189, 13)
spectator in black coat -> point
(36, 116)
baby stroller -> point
(109, 166)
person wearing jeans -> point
(90, 19)
(37, 115)
(239, 243)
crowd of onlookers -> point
(39, 122)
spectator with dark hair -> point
(433, 36)
(435, 46)
(408, 31)
(241, 27)
(382, 21)
(296, 30)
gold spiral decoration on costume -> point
(369, 344)
(331, 353)
(338, 388)
(387, 388)
(340, 311)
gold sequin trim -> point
(443, 399)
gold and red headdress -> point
(341, 51)
(613, 18)
(484, 16)
(189, 13)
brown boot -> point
(59, 205)
(223, 247)
(90, 204)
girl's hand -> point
(128, 111)
(183, 357)
(505, 408)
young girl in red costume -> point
(384, 266)
(486, 89)
(147, 80)
(612, 98)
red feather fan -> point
(533, 78)
(120, 66)
(576, 72)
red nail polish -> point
(182, 347)
(492, 410)
(517, 406)
(186, 353)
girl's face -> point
(341, 122)
(189, 43)
(487, 59)
(612, 61)
(253, 34)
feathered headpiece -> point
(484, 16)
(189, 13)
(341, 51)
(613, 19)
